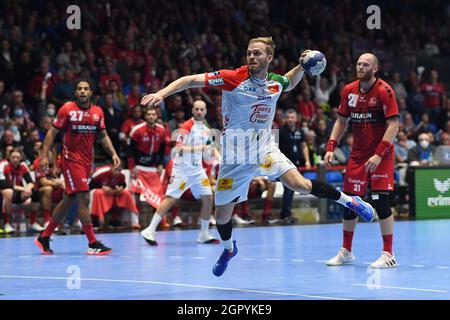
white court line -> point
(297, 260)
(402, 288)
(179, 285)
(321, 261)
(25, 256)
(176, 257)
(125, 256)
(149, 256)
(442, 267)
(272, 259)
(417, 265)
(200, 258)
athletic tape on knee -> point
(380, 202)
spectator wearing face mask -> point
(423, 153)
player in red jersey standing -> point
(81, 122)
(370, 106)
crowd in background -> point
(130, 48)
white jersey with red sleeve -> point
(80, 128)
(248, 104)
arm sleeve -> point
(283, 80)
(344, 110)
(61, 118)
(390, 107)
(225, 79)
(28, 178)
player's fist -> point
(153, 99)
(116, 161)
(302, 56)
(328, 158)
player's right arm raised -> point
(181, 84)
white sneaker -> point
(177, 222)
(36, 227)
(212, 221)
(386, 260)
(149, 237)
(238, 220)
(8, 228)
(343, 257)
(206, 237)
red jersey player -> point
(80, 122)
(12, 174)
(371, 106)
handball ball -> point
(314, 62)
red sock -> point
(47, 215)
(175, 212)
(89, 231)
(244, 209)
(348, 238)
(387, 242)
(50, 228)
(33, 216)
(6, 218)
(267, 206)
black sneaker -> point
(44, 244)
(289, 220)
(268, 219)
(98, 249)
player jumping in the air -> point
(250, 94)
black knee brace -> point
(380, 202)
(349, 214)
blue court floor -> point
(278, 262)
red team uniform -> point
(368, 113)
(102, 202)
(147, 145)
(80, 128)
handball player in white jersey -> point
(188, 173)
(249, 98)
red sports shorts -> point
(76, 176)
(356, 178)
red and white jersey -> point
(103, 177)
(434, 94)
(15, 176)
(147, 141)
(248, 103)
(368, 113)
(191, 133)
(48, 172)
(128, 125)
(80, 128)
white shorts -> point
(185, 178)
(234, 179)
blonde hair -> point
(268, 41)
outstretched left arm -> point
(109, 148)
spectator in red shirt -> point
(110, 194)
(434, 93)
(130, 123)
(305, 106)
(134, 97)
(109, 75)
